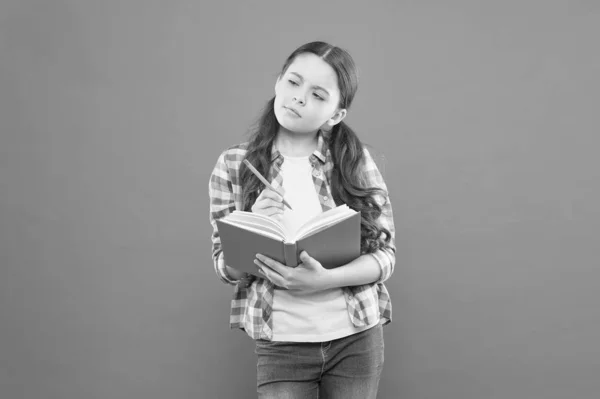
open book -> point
(332, 238)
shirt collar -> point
(320, 152)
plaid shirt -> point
(251, 307)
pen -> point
(265, 182)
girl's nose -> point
(298, 100)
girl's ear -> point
(339, 115)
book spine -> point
(290, 251)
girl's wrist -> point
(328, 280)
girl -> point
(318, 331)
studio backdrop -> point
(484, 120)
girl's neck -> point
(295, 144)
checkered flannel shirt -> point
(251, 307)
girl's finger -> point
(268, 203)
(268, 193)
(272, 212)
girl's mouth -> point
(292, 111)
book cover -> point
(333, 243)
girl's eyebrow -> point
(316, 87)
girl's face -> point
(307, 95)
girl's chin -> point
(292, 127)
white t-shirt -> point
(299, 316)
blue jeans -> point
(347, 368)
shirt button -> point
(325, 198)
(317, 173)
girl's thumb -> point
(305, 258)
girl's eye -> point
(318, 96)
(293, 83)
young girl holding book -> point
(318, 332)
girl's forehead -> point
(314, 70)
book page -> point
(258, 221)
(322, 226)
(256, 226)
(323, 220)
(258, 229)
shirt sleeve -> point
(386, 256)
(222, 203)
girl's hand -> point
(309, 275)
(244, 279)
(269, 203)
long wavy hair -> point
(347, 187)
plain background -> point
(112, 115)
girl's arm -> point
(234, 274)
(310, 275)
(363, 270)
(221, 204)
